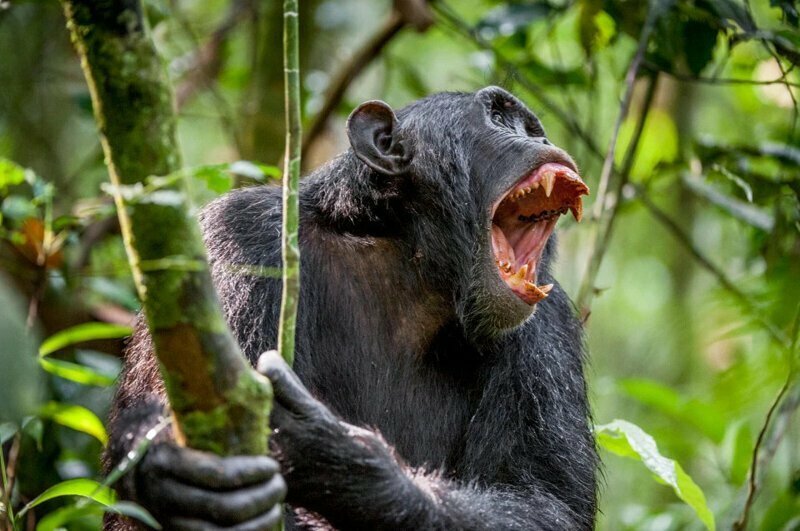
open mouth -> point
(524, 218)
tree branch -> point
(605, 230)
(349, 72)
(220, 403)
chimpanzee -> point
(441, 364)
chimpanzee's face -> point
(488, 186)
(524, 184)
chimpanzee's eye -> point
(497, 118)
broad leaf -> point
(76, 417)
(628, 440)
(81, 333)
(75, 372)
(86, 488)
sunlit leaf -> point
(85, 488)
(628, 440)
(11, 174)
(214, 176)
(81, 333)
(658, 143)
(76, 417)
(75, 372)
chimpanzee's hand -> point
(320, 454)
(194, 490)
(334, 469)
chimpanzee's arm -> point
(352, 477)
(183, 488)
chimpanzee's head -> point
(480, 189)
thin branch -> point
(630, 80)
(786, 403)
(605, 230)
(719, 80)
(349, 72)
(769, 437)
(205, 63)
(291, 177)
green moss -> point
(220, 403)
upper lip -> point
(556, 159)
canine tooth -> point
(548, 180)
(546, 288)
(521, 273)
(577, 211)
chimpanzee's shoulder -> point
(243, 222)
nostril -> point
(542, 140)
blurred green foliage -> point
(694, 321)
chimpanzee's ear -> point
(372, 129)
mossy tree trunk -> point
(219, 403)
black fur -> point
(404, 329)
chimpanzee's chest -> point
(420, 406)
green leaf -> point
(214, 176)
(64, 515)
(57, 519)
(7, 431)
(737, 450)
(629, 440)
(133, 510)
(11, 173)
(85, 488)
(80, 333)
(75, 372)
(76, 417)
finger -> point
(286, 385)
(262, 522)
(223, 508)
(204, 469)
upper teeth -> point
(548, 180)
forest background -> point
(682, 115)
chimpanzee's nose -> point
(542, 140)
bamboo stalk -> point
(291, 177)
